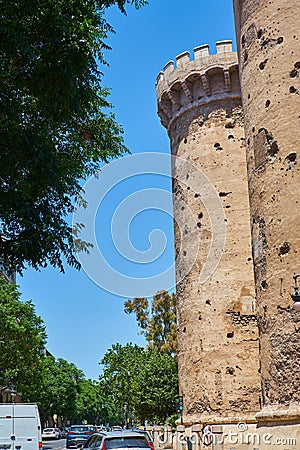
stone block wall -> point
(199, 102)
(269, 53)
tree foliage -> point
(120, 365)
(159, 326)
(145, 380)
(62, 390)
(91, 403)
(22, 339)
(57, 388)
(156, 387)
(56, 127)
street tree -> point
(120, 365)
(56, 123)
(111, 412)
(158, 324)
(22, 339)
(156, 387)
(91, 404)
(141, 383)
(57, 388)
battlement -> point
(202, 57)
(190, 81)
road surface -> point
(54, 445)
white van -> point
(20, 427)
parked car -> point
(116, 428)
(78, 434)
(50, 433)
(117, 440)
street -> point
(54, 445)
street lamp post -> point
(296, 295)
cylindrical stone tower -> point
(199, 102)
(269, 52)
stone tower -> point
(199, 102)
(269, 53)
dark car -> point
(78, 434)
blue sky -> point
(82, 319)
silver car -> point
(117, 440)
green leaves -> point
(22, 338)
(120, 365)
(145, 380)
(91, 404)
(155, 387)
(57, 388)
(159, 326)
(121, 3)
(56, 127)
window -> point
(129, 442)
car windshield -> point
(79, 429)
(121, 442)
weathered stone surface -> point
(269, 52)
(199, 102)
(218, 328)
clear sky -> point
(83, 320)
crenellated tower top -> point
(199, 81)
